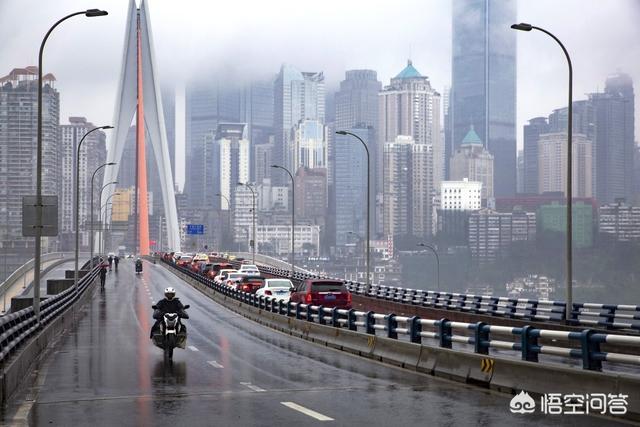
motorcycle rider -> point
(138, 265)
(169, 304)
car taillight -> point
(246, 288)
(268, 292)
(308, 298)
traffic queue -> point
(248, 278)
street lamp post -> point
(103, 234)
(92, 191)
(293, 216)
(77, 207)
(228, 213)
(38, 225)
(569, 248)
(368, 249)
(253, 239)
(423, 245)
(100, 213)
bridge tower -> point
(139, 93)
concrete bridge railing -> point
(468, 352)
(26, 267)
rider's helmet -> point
(169, 293)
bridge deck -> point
(235, 372)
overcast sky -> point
(251, 38)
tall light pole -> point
(228, 209)
(100, 212)
(93, 191)
(253, 239)
(569, 249)
(77, 207)
(423, 245)
(368, 249)
(293, 216)
(38, 225)
(102, 225)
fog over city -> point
(246, 39)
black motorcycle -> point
(138, 266)
(172, 333)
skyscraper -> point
(615, 139)
(256, 110)
(483, 89)
(552, 164)
(309, 138)
(471, 160)
(408, 187)
(207, 105)
(357, 100)
(532, 132)
(18, 139)
(93, 153)
(297, 96)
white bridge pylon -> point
(126, 102)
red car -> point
(184, 261)
(250, 284)
(324, 292)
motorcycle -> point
(138, 267)
(171, 334)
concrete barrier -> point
(20, 302)
(399, 353)
(21, 364)
(505, 375)
(55, 286)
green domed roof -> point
(472, 137)
(409, 72)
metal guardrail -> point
(26, 267)
(584, 345)
(607, 316)
(16, 328)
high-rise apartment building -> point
(615, 139)
(471, 160)
(262, 161)
(311, 195)
(620, 221)
(228, 154)
(410, 106)
(297, 96)
(408, 187)
(93, 153)
(483, 91)
(552, 164)
(532, 132)
(491, 233)
(18, 139)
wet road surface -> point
(236, 373)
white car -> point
(249, 270)
(280, 289)
(222, 275)
(233, 278)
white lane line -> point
(192, 348)
(215, 364)
(253, 387)
(313, 414)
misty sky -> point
(251, 38)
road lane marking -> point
(192, 348)
(253, 387)
(313, 414)
(215, 364)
